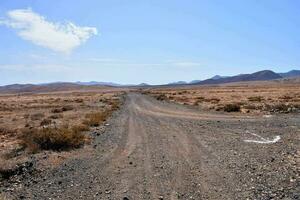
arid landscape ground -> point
(231, 141)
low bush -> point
(232, 108)
(95, 119)
(56, 116)
(256, 98)
(200, 98)
(67, 108)
(286, 97)
(214, 100)
(161, 97)
(46, 122)
(62, 109)
(280, 107)
(36, 116)
(56, 110)
(80, 128)
(51, 138)
(79, 100)
(6, 131)
(114, 105)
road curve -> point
(157, 150)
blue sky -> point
(145, 41)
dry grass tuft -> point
(232, 108)
(80, 128)
(44, 116)
(95, 119)
(46, 122)
(51, 138)
(37, 116)
(256, 98)
(161, 97)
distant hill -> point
(50, 87)
(194, 81)
(178, 83)
(143, 84)
(264, 75)
(257, 76)
(290, 74)
(216, 77)
(99, 83)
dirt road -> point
(158, 150)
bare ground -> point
(159, 150)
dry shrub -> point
(95, 119)
(115, 105)
(252, 107)
(200, 98)
(26, 116)
(46, 122)
(79, 100)
(56, 110)
(56, 116)
(145, 92)
(286, 97)
(6, 131)
(232, 107)
(161, 97)
(283, 108)
(214, 100)
(256, 98)
(37, 116)
(62, 109)
(57, 139)
(198, 101)
(80, 128)
(67, 108)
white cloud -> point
(55, 36)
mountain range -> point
(257, 76)
(217, 79)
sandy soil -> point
(19, 111)
(252, 97)
(158, 150)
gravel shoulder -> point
(158, 150)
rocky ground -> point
(160, 150)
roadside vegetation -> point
(34, 123)
(244, 98)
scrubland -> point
(255, 98)
(58, 122)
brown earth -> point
(159, 150)
(262, 97)
(18, 112)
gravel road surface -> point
(159, 150)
